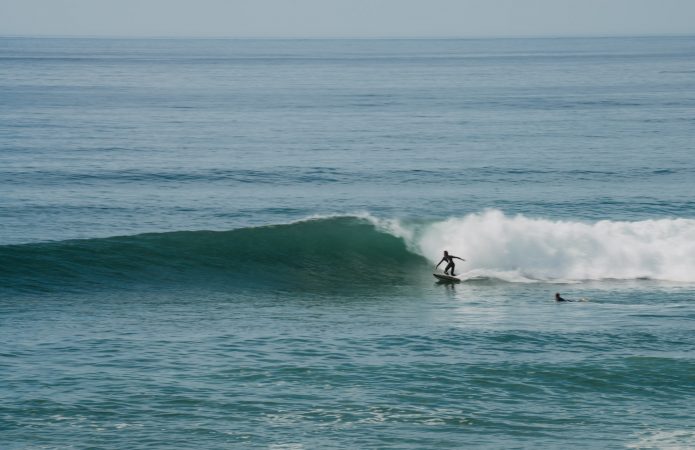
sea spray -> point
(520, 248)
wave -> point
(361, 251)
(523, 249)
(310, 254)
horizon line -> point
(338, 37)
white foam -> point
(665, 440)
(519, 248)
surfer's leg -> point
(450, 266)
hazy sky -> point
(346, 18)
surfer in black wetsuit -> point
(450, 262)
(560, 299)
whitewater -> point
(520, 248)
(218, 243)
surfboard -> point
(444, 277)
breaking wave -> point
(519, 248)
(334, 252)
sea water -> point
(229, 243)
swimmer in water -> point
(450, 263)
(560, 299)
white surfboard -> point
(445, 277)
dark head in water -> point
(558, 298)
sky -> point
(345, 18)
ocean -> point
(213, 244)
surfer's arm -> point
(439, 263)
(458, 258)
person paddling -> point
(558, 298)
(450, 263)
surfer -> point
(560, 299)
(450, 262)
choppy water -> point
(229, 243)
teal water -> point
(229, 243)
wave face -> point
(521, 249)
(351, 252)
(310, 254)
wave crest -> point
(519, 248)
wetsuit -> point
(450, 265)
